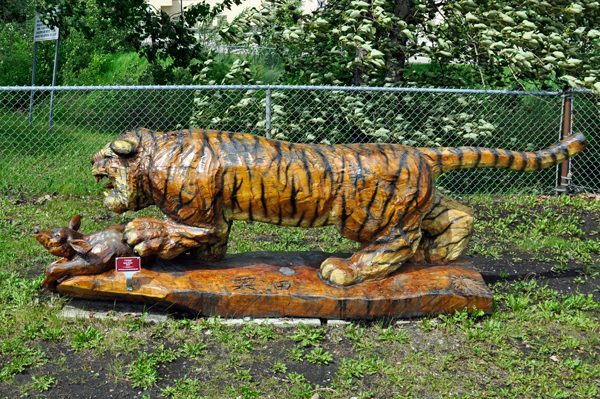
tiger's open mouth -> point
(117, 195)
(108, 185)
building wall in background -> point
(173, 7)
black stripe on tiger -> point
(280, 216)
(186, 186)
(341, 182)
(477, 150)
(306, 169)
(327, 166)
(432, 216)
(368, 212)
(236, 188)
(191, 215)
(286, 174)
(278, 156)
(562, 148)
(538, 161)
(385, 241)
(241, 149)
(458, 153)
(262, 197)
(457, 241)
(428, 193)
(439, 158)
(260, 149)
(249, 145)
(392, 191)
(381, 245)
(206, 144)
(301, 219)
(382, 152)
(449, 226)
(496, 155)
(511, 159)
(316, 214)
(554, 157)
(220, 138)
(293, 197)
(525, 161)
(343, 215)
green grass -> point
(35, 160)
(550, 229)
(123, 68)
(538, 343)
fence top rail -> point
(285, 87)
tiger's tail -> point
(443, 159)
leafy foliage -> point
(167, 42)
(469, 42)
(537, 41)
(319, 356)
(308, 336)
(481, 43)
(86, 339)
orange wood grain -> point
(380, 195)
(288, 284)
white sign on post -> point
(42, 32)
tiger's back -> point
(354, 187)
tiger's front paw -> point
(338, 271)
(148, 236)
(167, 239)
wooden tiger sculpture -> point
(380, 195)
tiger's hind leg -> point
(447, 229)
(375, 260)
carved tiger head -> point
(120, 162)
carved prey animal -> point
(380, 195)
(81, 254)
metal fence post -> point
(268, 109)
(51, 116)
(565, 167)
(35, 45)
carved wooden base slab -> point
(280, 284)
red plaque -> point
(130, 264)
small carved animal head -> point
(119, 161)
(64, 241)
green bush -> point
(16, 55)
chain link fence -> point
(39, 156)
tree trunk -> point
(403, 9)
(357, 76)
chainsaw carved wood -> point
(81, 254)
(381, 195)
(287, 284)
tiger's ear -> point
(123, 148)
